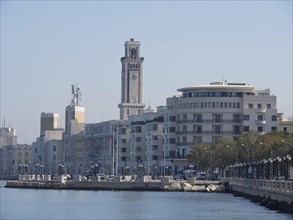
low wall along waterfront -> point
(143, 183)
(275, 194)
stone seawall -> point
(144, 183)
(273, 194)
(90, 185)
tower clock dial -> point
(134, 77)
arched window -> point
(133, 53)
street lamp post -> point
(291, 145)
(41, 169)
(148, 140)
(197, 157)
(252, 151)
(37, 168)
(268, 147)
(164, 152)
(212, 156)
(271, 159)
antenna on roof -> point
(75, 96)
(149, 104)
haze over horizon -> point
(46, 46)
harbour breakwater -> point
(119, 183)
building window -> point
(133, 53)
(269, 106)
(123, 141)
(236, 130)
(184, 128)
(155, 147)
(138, 149)
(236, 118)
(197, 129)
(172, 118)
(172, 140)
(138, 158)
(217, 118)
(285, 129)
(172, 129)
(246, 128)
(123, 158)
(184, 117)
(155, 157)
(217, 129)
(54, 148)
(274, 118)
(260, 117)
(197, 117)
(245, 117)
(123, 150)
(274, 128)
(138, 129)
(259, 106)
(250, 105)
(155, 137)
(123, 131)
(138, 139)
(184, 139)
(260, 129)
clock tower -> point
(131, 80)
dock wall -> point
(276, 192)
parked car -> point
(201, 176)
(110, 177)
(101, 176)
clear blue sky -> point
(48, 45)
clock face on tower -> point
(134, 77)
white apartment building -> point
(146, 141)
(205, 112)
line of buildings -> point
(142, 140)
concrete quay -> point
(274, 194)
(127, 183)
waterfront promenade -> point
(121, 183)
(276, 194)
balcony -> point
(260, 110)
(260, 122)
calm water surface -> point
(66, 204)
